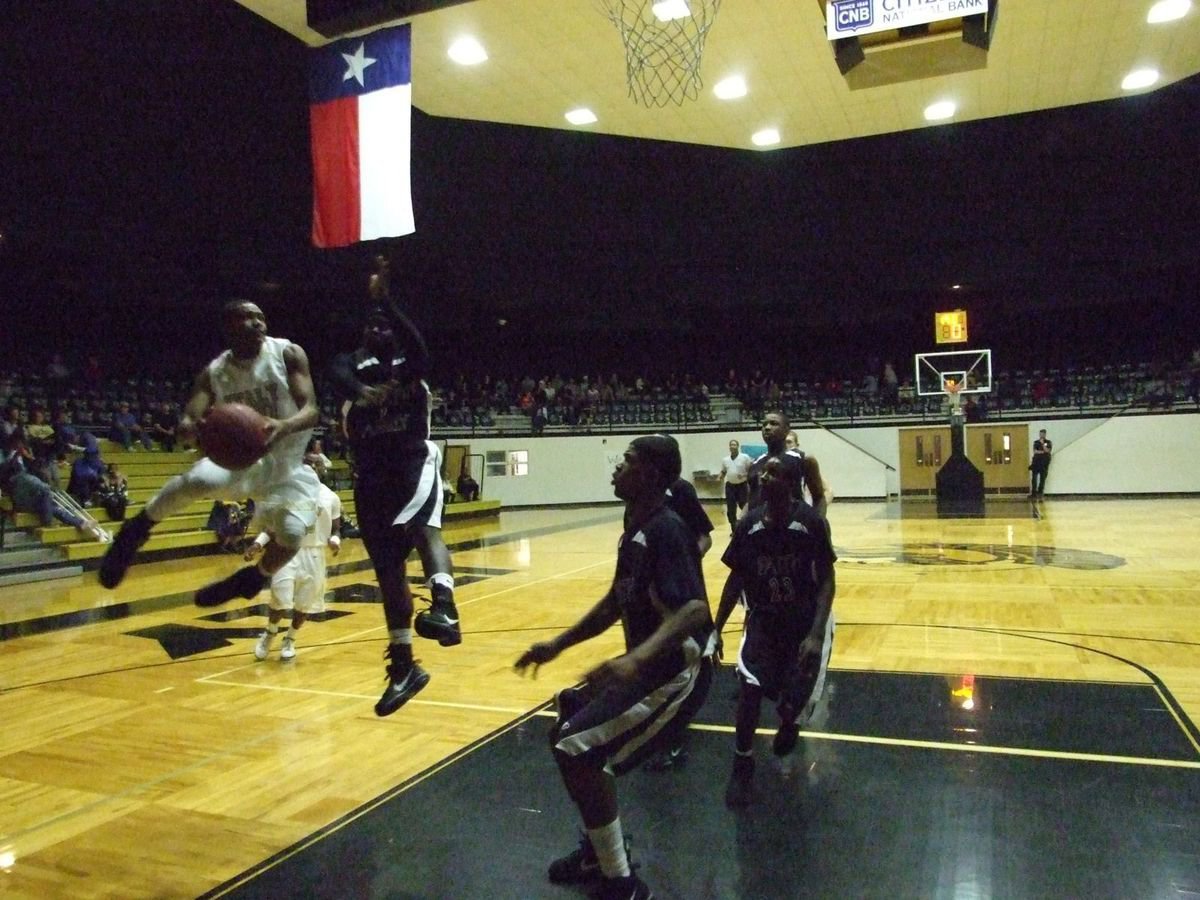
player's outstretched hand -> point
(540, 653)
(719, 650)
(253, 551)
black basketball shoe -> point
(576, 867)
(580, 865)
(404, 680)
(439, 623)
(119, 557)
(667, 760)
(628, 888)
(245, 582)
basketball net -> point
(662, 58)
(952, 389)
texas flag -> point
(360, 108)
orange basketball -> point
(232, 435)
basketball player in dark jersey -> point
(682, 499)
(398, 488)
(809, 486)
(781, 562)
(625, 708)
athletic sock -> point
(272, 628)
(400, 636)
(609, 844)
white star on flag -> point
(356, 64)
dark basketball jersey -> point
(657, 574)
(400, 422)
(793, 459)
(781, 564)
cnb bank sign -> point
(849, 18)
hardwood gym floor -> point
(1010, 713)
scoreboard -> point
(950, 327)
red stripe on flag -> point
(336, 201)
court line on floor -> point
(966, 748)
(467, 602)
(315, 692)
(949, 745)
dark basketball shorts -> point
(392, 501)
(618, 728)
(769, 657)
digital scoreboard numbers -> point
(950, 327)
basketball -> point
(232, 435)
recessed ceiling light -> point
(955, 287)
(943, 109)
(466, 51)
(1168, 11)
(1138, 79)
(581, 116)
(730, 88)
(669, 10)
(765, 138)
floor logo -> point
(982, 554)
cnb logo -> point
(851, 15)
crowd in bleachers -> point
(53, 408)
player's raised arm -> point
(300, 384)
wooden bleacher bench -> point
(147, 471)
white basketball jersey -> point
(261, 384)
(329, 507)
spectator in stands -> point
(113, 493)
(12, 422)
(66, 435)
(39, 437)
(889, 391)
(87, 472)
(1158, 393)
(1041, 391)
(468, 487)
(972, 411)
(540, 416)
(32, 495)
(126, 428)
(163, 422)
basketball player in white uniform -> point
(272, 376)
(299, 587)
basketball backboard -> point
(971, 370)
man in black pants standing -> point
(1040, 464)
(735, 469)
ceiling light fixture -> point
(765, 138)
(670, 10)
(730, 88)
(943, 109)
(466, 51)
(581, 116)
(1138, 79)
(1168, 11)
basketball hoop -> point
(663, 45)
(953, 395)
